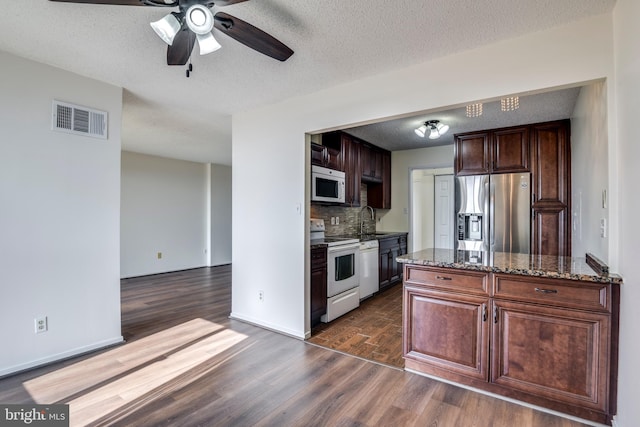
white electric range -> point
(343, 257)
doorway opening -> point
(431, 208)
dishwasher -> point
(369, 283)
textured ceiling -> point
(399, 134)
(166, 114)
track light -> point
(510, 103)
(474, 110)
(435, 127)
(167, 28)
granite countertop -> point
(379, 235)
(572, 268)
(319, 243)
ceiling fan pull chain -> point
(189, 68)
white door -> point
(444, 212)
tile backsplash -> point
(349, 217)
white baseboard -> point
(266, 325)
(60, 356)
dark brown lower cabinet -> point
(549, 342)
(318, 284)
(447, 331)
(551, 352)
(390, 270)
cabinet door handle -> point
(443, 278)
(484, 312)
(495, 314)
(547, 291)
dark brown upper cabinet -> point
(362, 163)
(495, 151)
(327, 156)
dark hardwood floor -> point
(372, 331)
(186, 363)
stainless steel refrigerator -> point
(493, 212)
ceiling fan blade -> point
(251, 36)
(179, 52)
(170, 3)
(227, 2)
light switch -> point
(603, 227)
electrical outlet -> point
(159, 255)
(41, 324)
(337, 220)
(333, 220)
(261, 296)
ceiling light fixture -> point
(474, 110)
(510, 103)
(436, 129)
(167, 28)
(200, 20)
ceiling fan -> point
(195, 21)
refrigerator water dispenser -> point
(470, 227)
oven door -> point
(342, 268)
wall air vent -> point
(79, 120)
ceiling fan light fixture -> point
(207, 43)
(199, 19)
(166, 28)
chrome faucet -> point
(362, 220)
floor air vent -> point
(79, 120)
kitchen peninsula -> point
(537, 328)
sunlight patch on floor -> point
(100, 385)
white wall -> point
(402, 162)
(422, 210)
(164, 209)
(589, 171)
(59, 218)
(221, 218)
(627, 171)
(275, 262)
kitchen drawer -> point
(448, 279)
(558, 292)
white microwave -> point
(327, 185)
